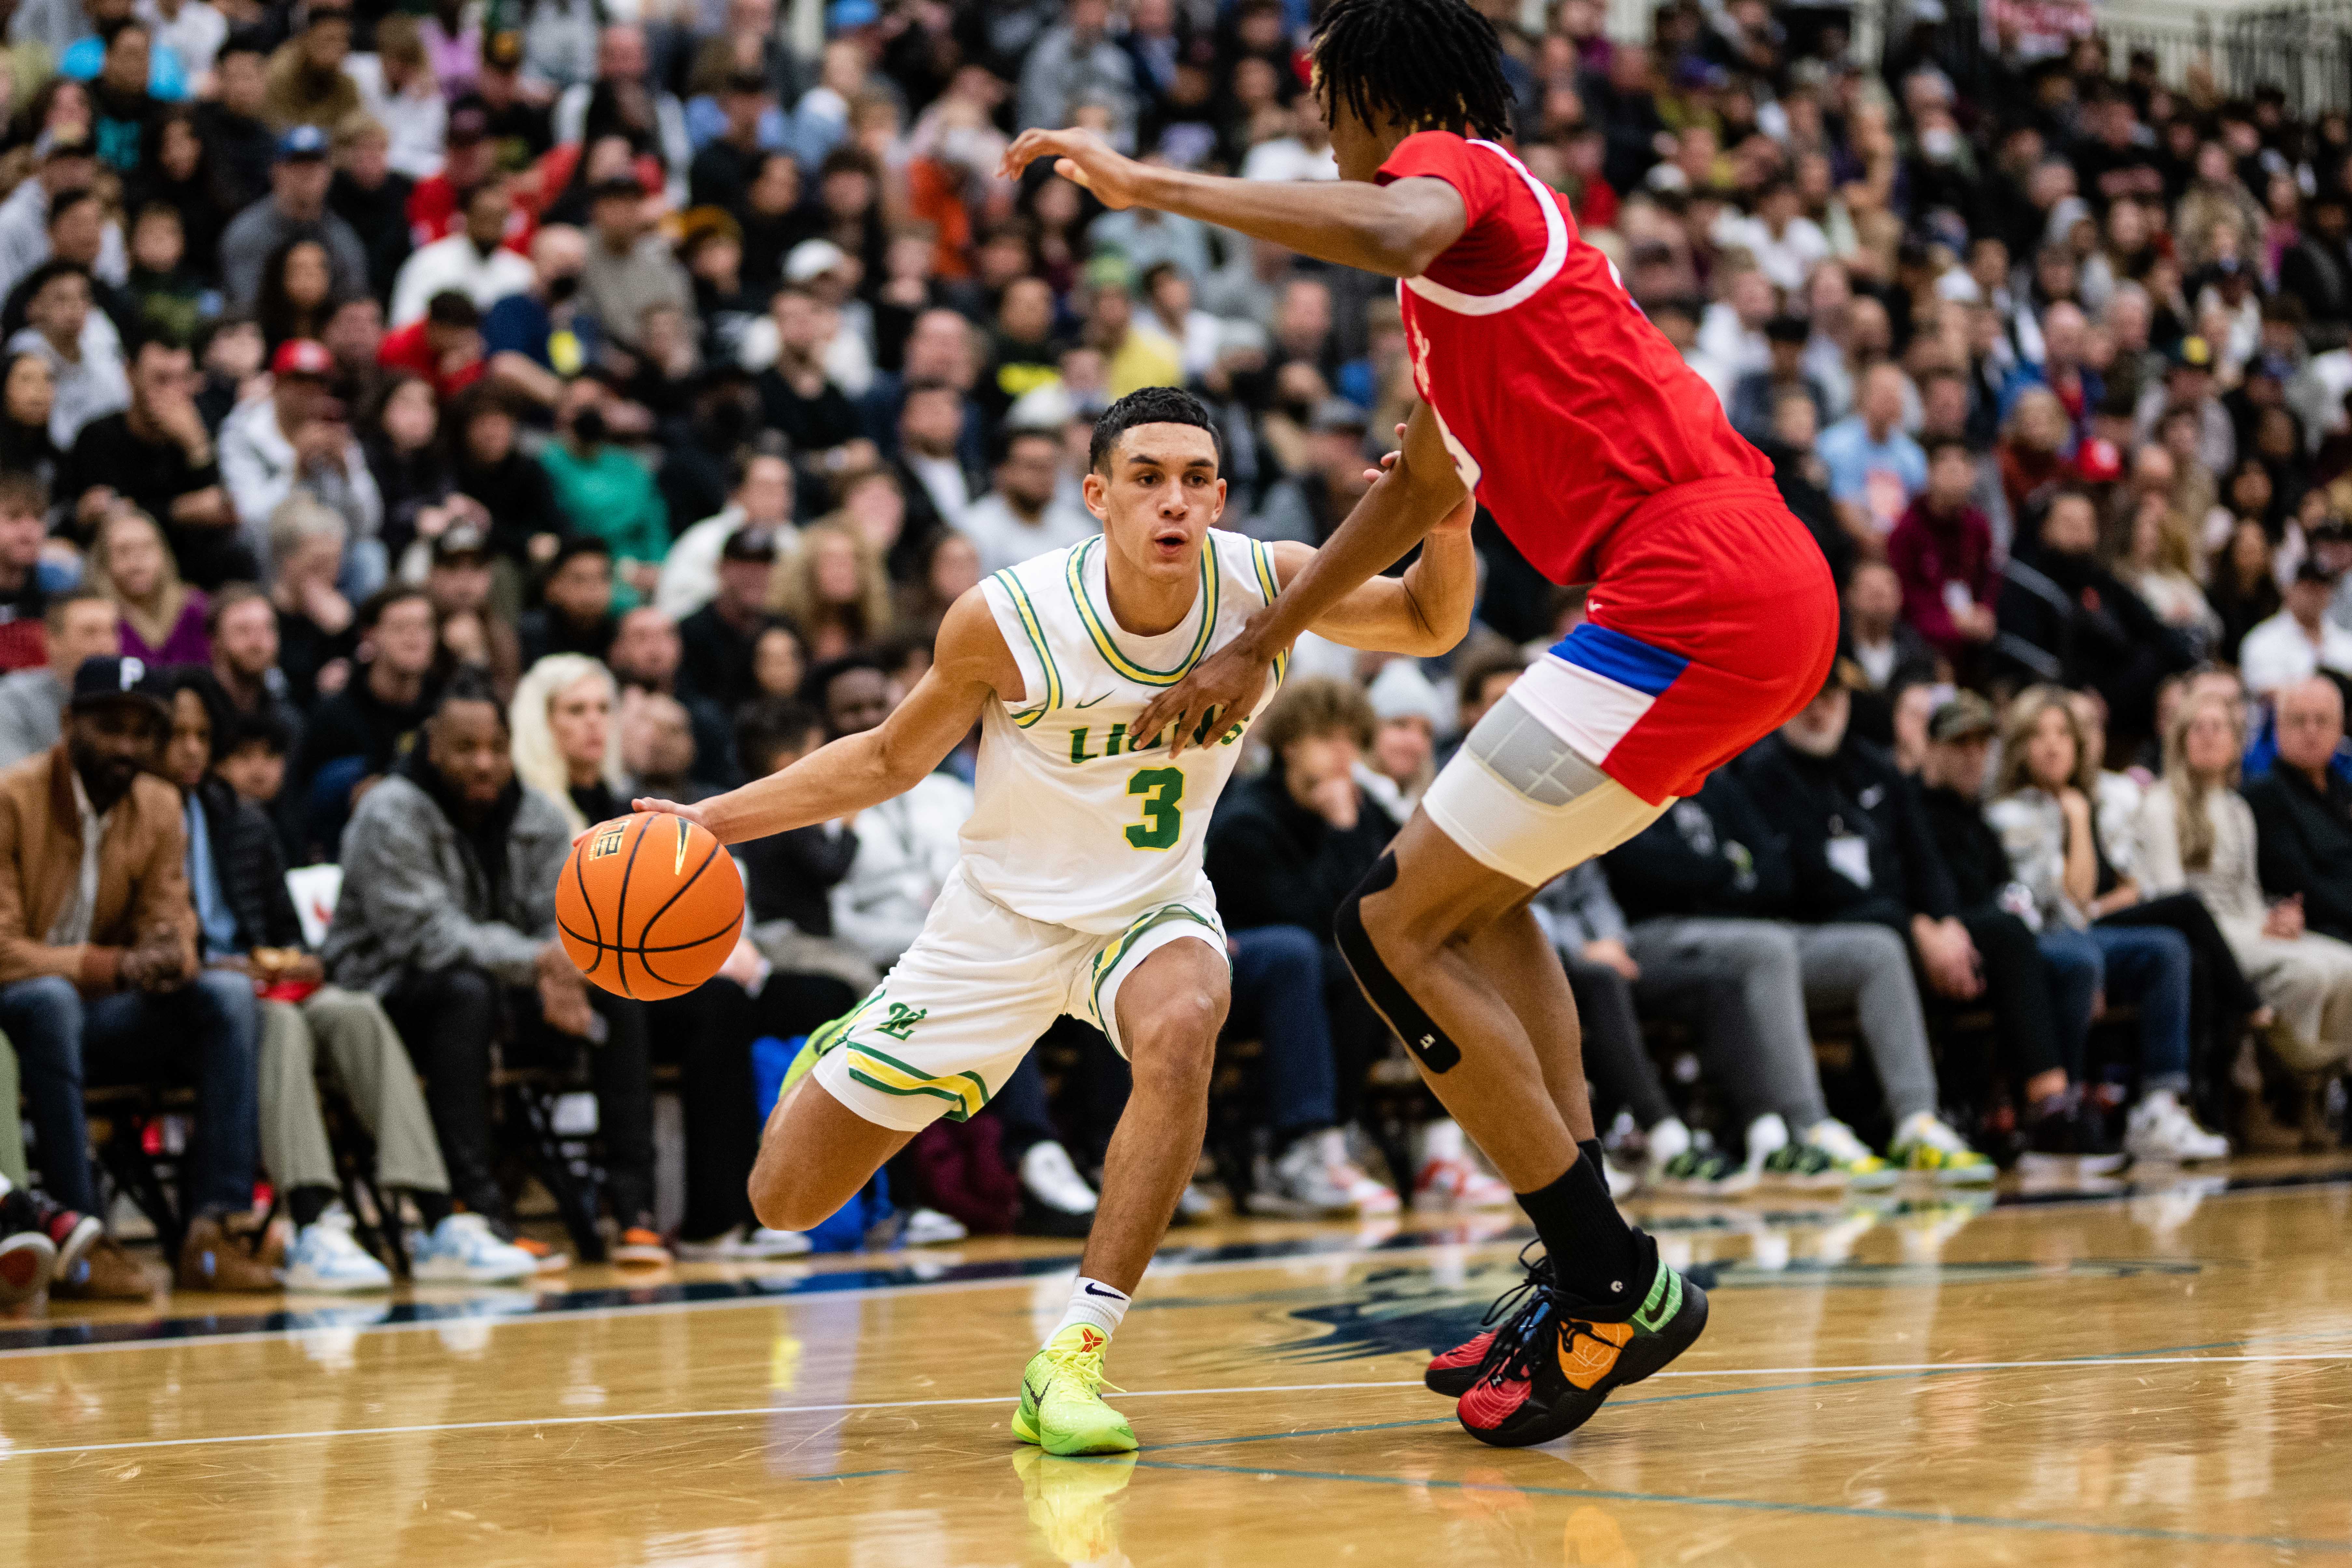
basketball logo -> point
(638, 928)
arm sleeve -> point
(1503, 234)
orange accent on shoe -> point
(1589, 1351)
(647, 1244)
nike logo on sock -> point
(1095, 1290)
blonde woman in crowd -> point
(835, 590)
(2197, 833)
(2157, 559)
(566, 745)
(163, 618)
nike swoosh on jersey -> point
(1104, 698)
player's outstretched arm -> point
(1425, 612)
(970, 664)
(1418, 490)
(1396, 229)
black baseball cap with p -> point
(111, 679)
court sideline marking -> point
(1883, 1371)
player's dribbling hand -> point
(691, 813)
(1080, 157)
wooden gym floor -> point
(2159, 1371)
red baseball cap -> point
(2098, 460)
(302, 356)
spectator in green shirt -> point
(604, 490)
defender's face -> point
(1160, 498)
(1359, 148)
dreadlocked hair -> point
(1435, 65)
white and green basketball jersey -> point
(1073, 823)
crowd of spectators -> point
(421, 431)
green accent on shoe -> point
(1061, 1408)
(1666, 1299)
(1799, 1160)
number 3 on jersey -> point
(1162, 790)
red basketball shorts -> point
(1714, 620)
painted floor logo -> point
(1408, 1311)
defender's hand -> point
(1080, 157)
(1228, 681)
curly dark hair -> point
(1435, 64)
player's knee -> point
(1173, 1051)
(781, 1203)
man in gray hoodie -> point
(448, 914)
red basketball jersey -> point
(1563, 407)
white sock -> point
(1095, 1304)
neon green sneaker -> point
(1925, 1145)
(1060, 1410)
(803, 1064)
(1863, 1170)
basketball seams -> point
(598, 945)
(734, 926)
(677, 893)
(580, 877)
(621, 905)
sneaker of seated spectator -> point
(78, 1258)
(448, 917)
(99, 967)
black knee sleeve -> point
(1413, 1025)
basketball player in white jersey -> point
(1080, 889)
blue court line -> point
(850, 1476)
(1760, 1505)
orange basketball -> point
(649, 905)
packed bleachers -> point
(423, 429)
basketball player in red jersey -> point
(1712, 619)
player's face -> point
(1359, 149)
(1160, 498)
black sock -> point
(1599, 1261)
(431, 1208)
(307, 1203)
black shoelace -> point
(1520, 1307)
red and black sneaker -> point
(70, 1231)
(1453, 1372)
(1557, 1374)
